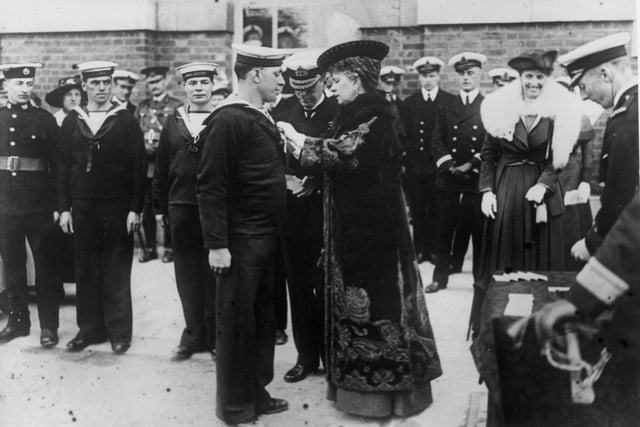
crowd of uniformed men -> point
(103, 169)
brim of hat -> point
(56, 96)
(523, 63)
(368, 48)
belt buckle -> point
(13, 164)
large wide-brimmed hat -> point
(66, 84)
(367, 48)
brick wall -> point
(132, 50)
(499, 43)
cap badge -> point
(25, 71)
(300, 72)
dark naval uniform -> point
(621, 174)
(28, 146)
(242, 195)
(457, 139)
(303, 242)
(152, 116)
(174, 195)
(280, 112)
(101, 180)
(419, 116)
(611, 280)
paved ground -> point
(144, 388)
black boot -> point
(18, 325)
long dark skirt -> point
(517, 241)
(380, 349)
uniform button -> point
(455, 126)
(453, 150)
(421, 131)
(475, 126)
(454, 138)
(12, 129)
(14, 116)
(473, 138)
(421, 123)
(14, 173)
(421, 148)
(473, 151)
(421, 139)
(12, 143)
(33, 137)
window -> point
(284, 23)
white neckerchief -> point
(472, 95)
(192, 121)
(624, 88)
(430, 93)
(98, 119)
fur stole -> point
(501, 110)
(362, 109)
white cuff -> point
(601, 282)
(478, 156)
(443, 159)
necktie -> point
(466, 100)
(309, 113)
(429, 97)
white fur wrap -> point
(501, 110)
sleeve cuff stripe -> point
(443, 159)
(601, 282)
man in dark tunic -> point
(606, 59)
(152, 114)
(100, 190)
(241, 192)
(28, 151)
(174, 195)
(123, 83)
(419, 117)
(302, 235)
(455, 146)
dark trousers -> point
(459, 213)
(194, 278)
(40, 230)
(306, 293)
(421, 197)
(149, 222)
(103, 255)
(245, 328)
(280, 288)
(460, 246)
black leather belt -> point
(20, 164)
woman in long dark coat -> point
(381, 354)
(532, 125)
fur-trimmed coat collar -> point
(502, 109)
(361, 109)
